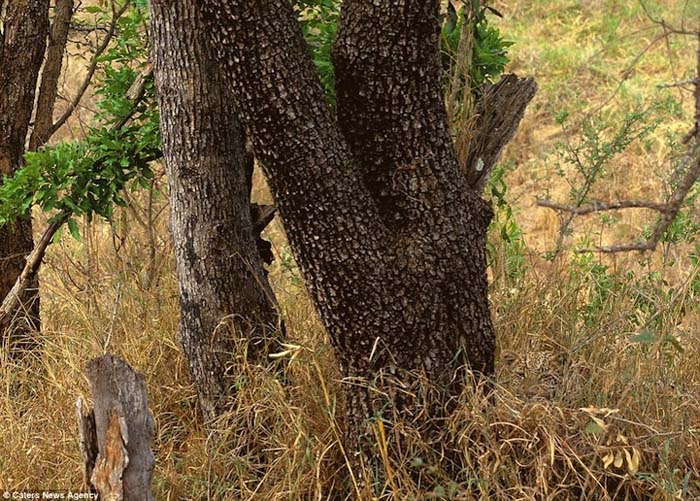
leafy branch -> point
(86, 177)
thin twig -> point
(682, 83)
(91, 69)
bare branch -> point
(12, 300)
(612, 249)
(682, 83)
(91, 69)
(603, 206)
(668, 28)
(48, 91)
(669, 215)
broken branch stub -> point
(499, 112)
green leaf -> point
(73, 227)
(593, 428)
(57, 236)
(644, 337)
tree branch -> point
(33, 262)
(91, 70)
(499, 113)
(48, 91)
(294, 134)
(603, 206)
(12, 300)
(682, 83)
(668, 210)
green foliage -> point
(490, 54)
(489, 50)
(86, 177)
(504, 223)
(592, 152)
(594, 279)
(583, 161)
(319, 23)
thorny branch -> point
(668, 210)
(691, 165)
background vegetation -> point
(598, 379)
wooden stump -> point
(116, 437)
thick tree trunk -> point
(25, 25)
(389, 238)
(392, 113)
(224, 293)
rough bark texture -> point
(388, 236)
(387, 231)
(392, 113)
(48, 92)
(224, 292)
(499, 112)
(124, 429)
(25, 27)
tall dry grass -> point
(598, 380)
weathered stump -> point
(116, 436)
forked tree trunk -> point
(387, 229)
(224, 293)
(25, 25)
(390, 239)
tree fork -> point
(388, 235)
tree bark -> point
(48, 92)
(224, 292)
(23, 41)
(392, 113)
(388, 236)
(388, 231)
(116, 437)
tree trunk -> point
(25, 25)
(224, 292)
(388, 236)
(48, 92)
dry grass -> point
(578, 386)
